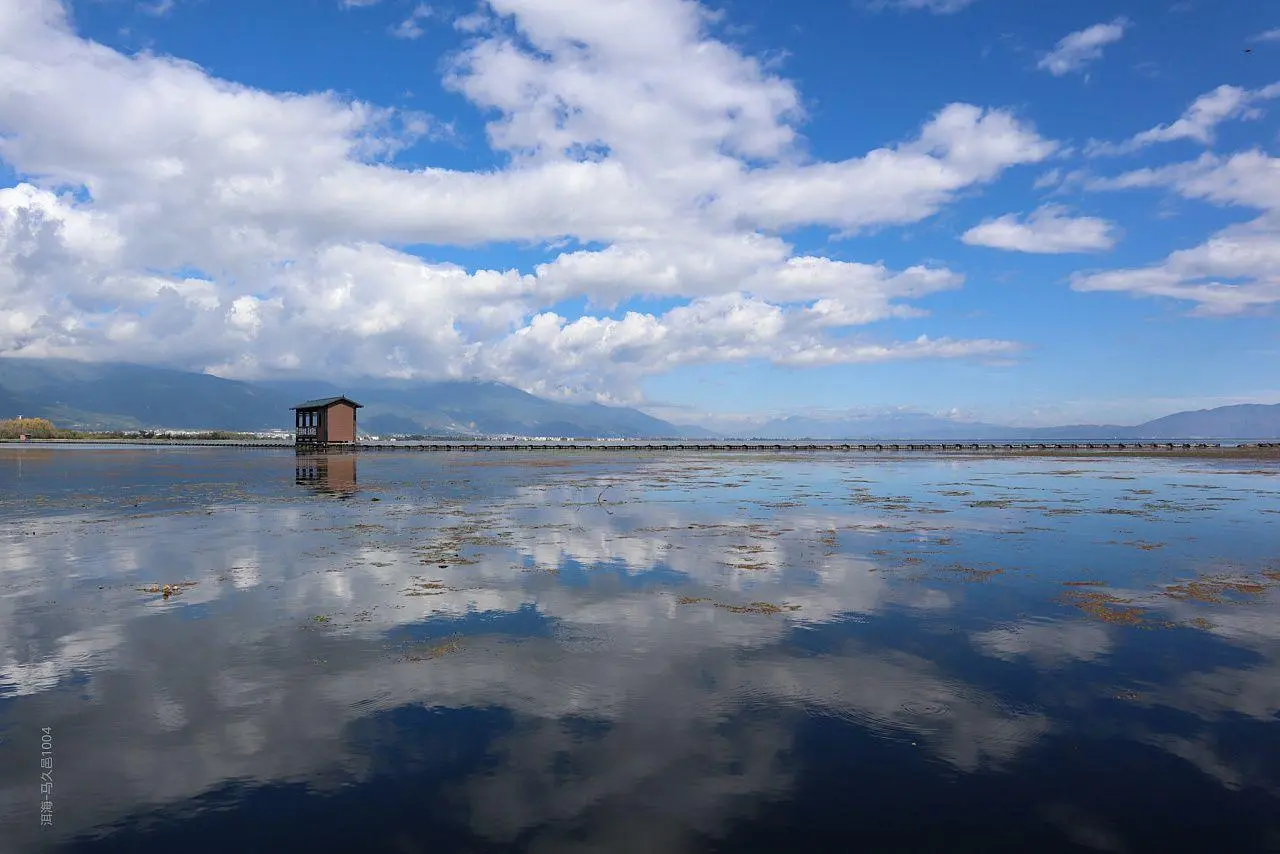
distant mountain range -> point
(477, 408)
(131, 397)
(1242, 421)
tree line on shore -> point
(43, 428)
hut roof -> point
(321, 403)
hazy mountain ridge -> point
(921, 426)
(470, 407)
(1239, 421)
(122, 396)
(1243, 420)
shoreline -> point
(1196, 450)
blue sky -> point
(1020, 212)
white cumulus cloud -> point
(1238, 268)
(167, 215)
(1076, 50)
(1199, 121)
(937, 7)
(1047, 230)
(411, 27)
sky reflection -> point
(570, 653)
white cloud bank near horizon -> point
(679, 154)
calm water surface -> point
(428, 653)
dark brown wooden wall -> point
(340, 421)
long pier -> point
(482, 445)
(783, 446)
(780, 447)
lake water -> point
(566, 652)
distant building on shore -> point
(326, 421)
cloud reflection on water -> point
(573, 614)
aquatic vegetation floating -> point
(969, 573)
(436, 651)
(428, 588)
(1144, 545)
(1174, 506)
(758, 608)
(447, 548)
(767, 608)
(167, 590)
(1104, 607)
(1217, 591)
(880, 528)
